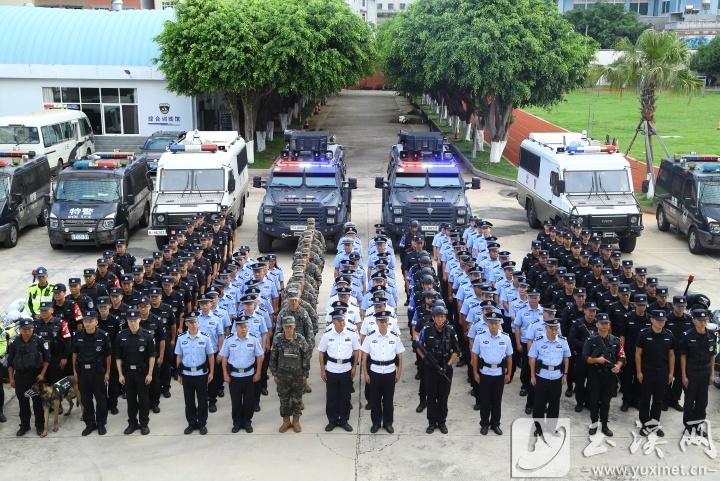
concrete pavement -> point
(362, 121)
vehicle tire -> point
(145, 219)
(124, 234)
(56, 246)
(43, 217)
(264, 242)
(12, 237)
(160, 241)
(241, 214)
(693, 241)
(532, 219)
(627, 244)
(662, 221)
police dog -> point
(52, 396)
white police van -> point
(61, 132)
(200, 173)
(566, 175)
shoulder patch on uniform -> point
(395, 333)
(504, 333)
(561, 337)
(371, 333)
(351, 329)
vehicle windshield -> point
(18, 134)
(186, 180)
(445, 181)
(410, 180)
(157, 144)
(285, 180)
(598, 182)
(4, 182)
(84, 189)
(320, 180)
(710, 193)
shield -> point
(164, 108)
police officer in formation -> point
(242, 356)
(195, 358)
(135, 356)
(290, 367)
(697, 349)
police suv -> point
(307, 180)
(24, 191)
(200, 173)
(99, 199)
(425, 184)
(565, 175)
(687, 195)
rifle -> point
(432, 361)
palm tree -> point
(657, 61)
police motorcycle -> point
(8, 326)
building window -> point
(402, 6)
(165, 4)
(641, 8)
(391, 6)
(665, 6)
(110, 110)
(379, 6)
(583, 4)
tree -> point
(606, 23)
(707, 60)
(657, 61)
(509, 54)
(250, 49)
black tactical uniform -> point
(125, 261)
(112, 324)
(165, 313)
(154, 325)
(678, 325)
(634, 323)
(579, 333)
(656, 348)
(27, 359)
(699, 351)
(56, 339)
(136, 351)
(94, 291)
(441, 344)
(602, 381)
(92, 352)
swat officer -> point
(28, 361)
(636, 321)
(491, 360)
(678, 322)
(290, 367)
(440, 349)
(580, 332)
(382, 366)
(242, 354)
(91, 370)
(549, 358)
(112, 323)
(153, 324)
(135, 359)
(605, 356)
(655, 369)
(195, 358)
(56, 339)
(338, 355)
(697, 353)
(122, 257)
(92, 288)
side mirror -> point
(17, 198)
(130, 198)
(475, 184)
(257, 182)
(352, 183)
(645, 186)
(560, 187)
(231, 184)
(379, 183)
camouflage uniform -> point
(289, 364)
(303, 325)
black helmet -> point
(436, 310)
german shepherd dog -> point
(52, 396)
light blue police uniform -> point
(212, 326)
(492, 350)
(194, 351)
(551, 353)
(241, 353)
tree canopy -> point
(607, 23)
(500, 53)
(707, 60)
(253, 50)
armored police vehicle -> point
(99, 199)
(687, 194)
(566, 175)
(198, 175)
(424, 184)
(24, 191)
(307, 180)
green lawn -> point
(482, 162)
(686, 125)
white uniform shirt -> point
(339, 345)
(369, 324)
(383, 348)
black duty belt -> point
(340, 361)
(551, 368)
(88, 366)
(241, 369)
(382, 363)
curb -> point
(468, 164)
(647, 210)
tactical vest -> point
(28, 355)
